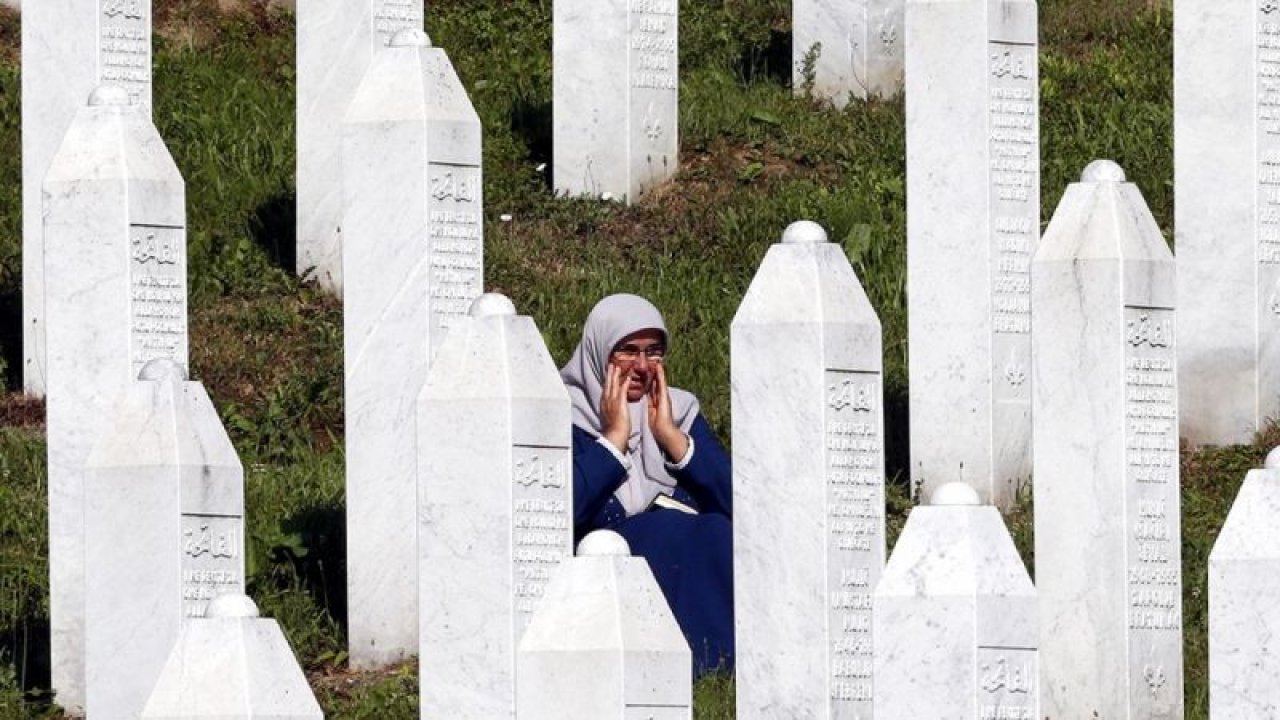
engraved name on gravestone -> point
(842, 49)
(972, 74)
(68, 49)
(336, 43)
(1227, 216)
(802, 589)
(1108, 534)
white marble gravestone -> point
(232, 665)
(808, 492)
(164, 533)
(955, 618)
(116, 298)
(615, 93)
(1244, 620)
(603, 644)
(413, 262)
(1227, 216)
(495, 506)
(1106, 456)
(69, 47)
(336, 43)
(847, 48)
(973, 217)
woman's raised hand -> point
(614, 413)
(670, 437)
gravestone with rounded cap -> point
(337, 41)
(615, 95)
(1108, 538)
(495, 506)
(232, 665)
(846, 49)
(164, 532)
(116, 298)
(955, 617)
(1244, 623)
(603, 643)
(69, 47)
(413, 259)
(973, 221)
(808, 482)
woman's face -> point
(639, 354)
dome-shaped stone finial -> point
(1102, 171)
(231, 606)
(109, 96)
(955, 494)
(604, 543)
(409, 37)
(165, 369)
(804, 232)
(491, 304)
(1273, 459)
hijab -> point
(612, 319)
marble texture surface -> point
(808, 482)
(856, 46)
(1244, 622)
(1227, 217)
(603, 644)
(495, 509)
(973, 214)
(164, 534)
(413, 262)
(1108, 535)
(955, 621)
(615, 96)
(115, 283)
(69, 47)
(232, 665)
(336, 42)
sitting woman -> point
(647, 466)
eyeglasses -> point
(631, 353)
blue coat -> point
(691, 555)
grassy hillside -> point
(754, 158)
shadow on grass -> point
(322, 566)
(897, 437)
(11, 338)
(531, 123)
(770, 62)
(273, 227)
(26, 645)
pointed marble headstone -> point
(495, 506)
(1108, 534)
(336, 43)
(232, 665)
(603, 643)
(69, 47)
(1244, 620)
(955, 618)
(164, 533)
(116, 298)
(615, 90)
(808, 482)
(973, 218)
(842, 49)
(413, 260)
(1227, 215)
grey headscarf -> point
(611, 320)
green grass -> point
(754, 158)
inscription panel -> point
(542, 534)
(1007, 684)
(1154, 579)
(392, 16)
(455, 245)
(158, 294)
(1267, 56)
(853, 429)
(212, 560)
(124, 47)
(653, 76)
(1014, 211)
